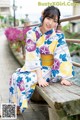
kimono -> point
(23, 80)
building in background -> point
(26, 21)
(76, 11)
(4, 10)
(4, 7)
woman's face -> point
(50, 23)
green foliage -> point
(22, 21)
(66, 27)
(73, 47)
(68, 34)
(73, 35)
(1, 17)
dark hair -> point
(51, 12)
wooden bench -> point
(63, 101)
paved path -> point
(8, 65)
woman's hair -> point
(51, 12)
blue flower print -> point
(61, 39)
(19, 79)
(48, 80)
(37, 50)
(55, 72)
(29, 96)
(45, 67)
(49, 32)
(48, 42)
(31, 90)
(30, 93)
(11, 89)
(26, 72)
(73, 73)
(34, 29)
(63, 57)
(61, 35)
(28, 79)
(60, 42)
(20, 104)
(23, 93)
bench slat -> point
(62, 97)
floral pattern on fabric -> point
(31, 46)
(44, 50)
(66, 68)
(56, 64)
(23, 81)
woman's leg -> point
(22, 86)
(46, 71)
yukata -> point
(23, 80)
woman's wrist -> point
(39, 78)
(39, 74)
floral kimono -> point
(23, 81)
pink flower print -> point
(37, 34)
(44, 50)
(21, 85)
(56, 64)
(47, 36)
(31, 46)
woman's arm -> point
(32, 55)
(32, 61)
(62, 61)
(41, 81)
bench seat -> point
(63, 101)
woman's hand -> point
(66, 82)
(42, 82)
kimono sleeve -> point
(62, 60)
(32, 57)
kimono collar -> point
(49, 32)
(46, 33)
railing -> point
(73, 40)
(77, 17)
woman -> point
(47, 59)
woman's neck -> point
(42, 30)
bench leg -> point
(36, 97)
(53, 115)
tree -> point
(1, 18)
(10, 19)
(22, 21)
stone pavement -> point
(8, 65)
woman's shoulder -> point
(33, 29)
(60, 34)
